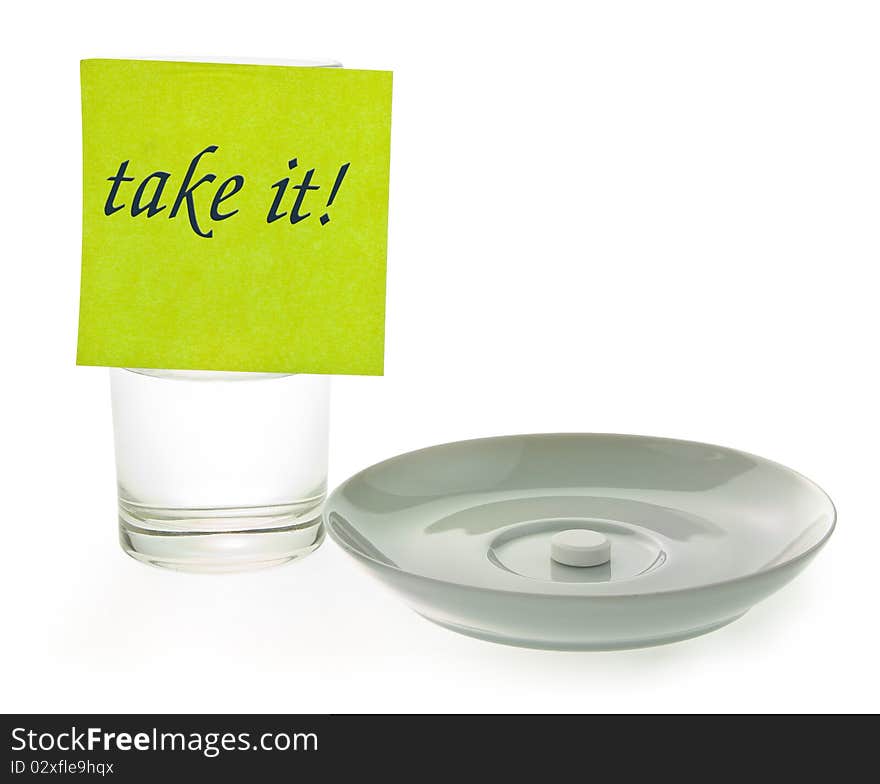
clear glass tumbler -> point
(219, 471)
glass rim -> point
(205, 375)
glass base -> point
(219, 540)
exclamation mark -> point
(325, 218)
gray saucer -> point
(580, 541)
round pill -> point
(580, 547)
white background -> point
(656, 218)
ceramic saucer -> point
(580, 541)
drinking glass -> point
(219, 471)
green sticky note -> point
(234, 217)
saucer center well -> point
(576, 550)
